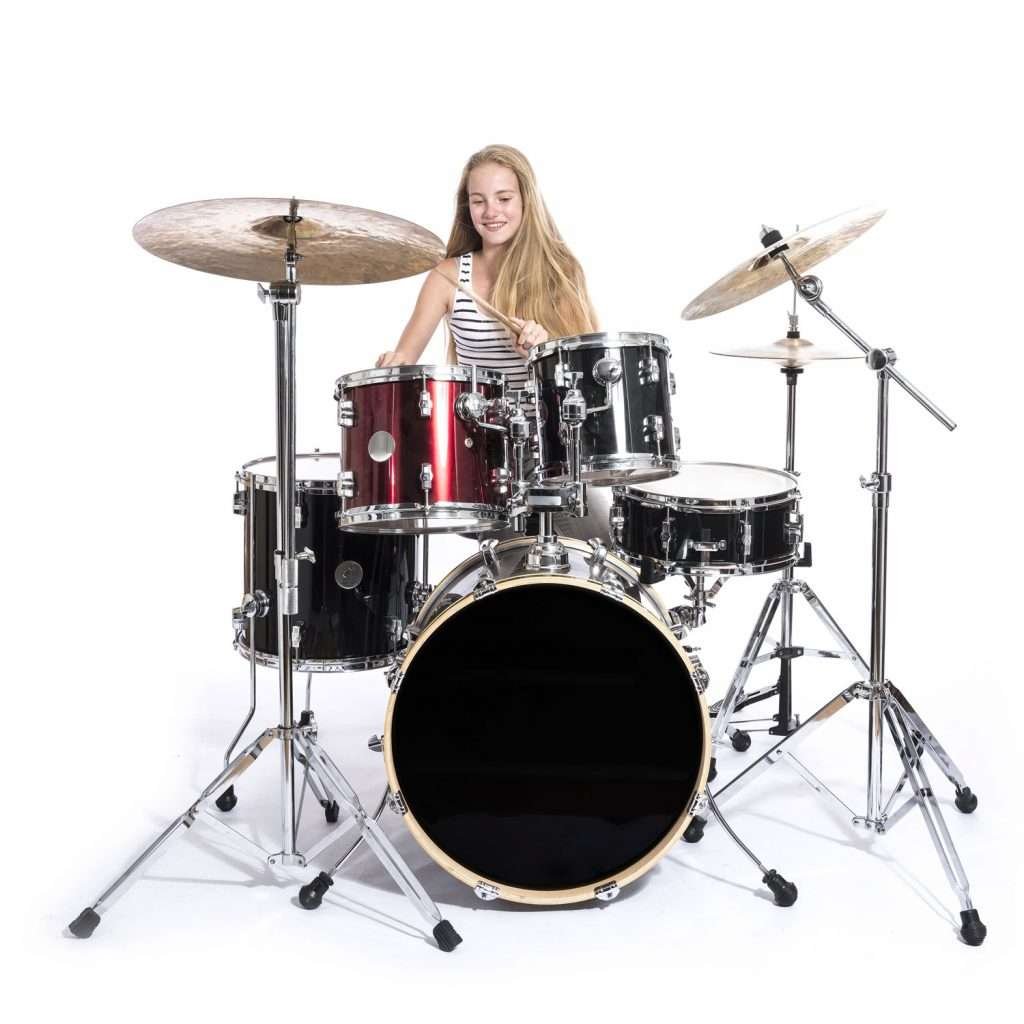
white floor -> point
(208, 926)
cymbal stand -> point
(779, 601)
(888, 709)
(297, 740)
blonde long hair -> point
(540, 278)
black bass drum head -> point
(547, 739)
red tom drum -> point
(410, 463)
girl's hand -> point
(531, 335)
(391, 359)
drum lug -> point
(666, 533)
(499, 479)
(297, 635)
(486, 892)
(346, 484)
(698, 804)
(346, 413)
(426, 404)
(795, 528)
(426, 476)
(240, 503)
(654, 428)
(650, 372)
(701, 679)
(678, 438)
(746, 538)
(672, 389)
(484, 587)
(611, 587)
(617, 522)
(376, 744)
(397, 802)
(596, 558)
(606, 893)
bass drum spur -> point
(546, 737)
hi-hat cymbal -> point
(804, 249)
(793, 352)
(247, 238)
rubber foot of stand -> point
(227, 800)
(446, 937)
(713, 771)
(695, 830)
(85, 924)
(331, 811)
(740, 740)
(966, 802)
(785, 893)
(972, 931)
(312, 895)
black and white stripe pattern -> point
(478, 338)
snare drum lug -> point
(606, 893)
(486, 892)
(346, 413)
(397, 802)
(240, 503)
(794, 528)
(666, 533)
(347, 484)
(746, 538)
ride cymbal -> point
(247, 239)
(804, 248)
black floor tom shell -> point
(546, 737)
(711, 517)
(354, 600)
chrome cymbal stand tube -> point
(887, 707)
(297, 741)
(780, 602)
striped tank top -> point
(478, 338)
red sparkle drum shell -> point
(409, 463)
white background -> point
(663, 137)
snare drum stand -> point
(888, 709)
(297, 740)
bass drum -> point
(546, 736)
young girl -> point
(506, 248)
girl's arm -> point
(433, 302)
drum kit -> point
(546, 738)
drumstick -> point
(483, 304)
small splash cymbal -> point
(794, 352)
(247, 239)
(804, 249)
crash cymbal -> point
(247, 238)
(804, 248)
(790, 352)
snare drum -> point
(410, 462)
(712, 517)
(628, 433)
(354, 600)
(546, 737)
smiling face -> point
(495, 203)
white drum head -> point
(309, 468)
(720, 482)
